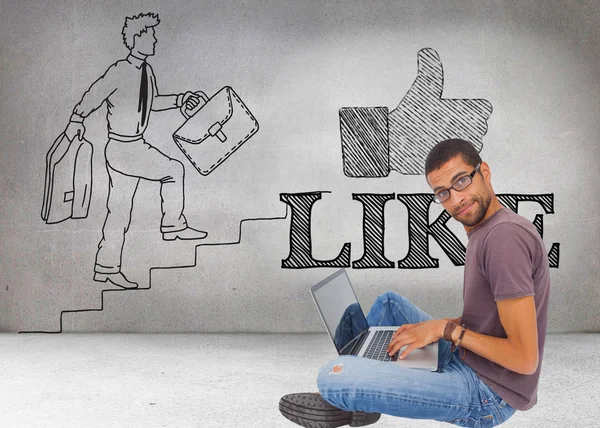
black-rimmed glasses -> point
(461, 184)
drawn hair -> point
(136, 25)
(443, 151)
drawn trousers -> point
(127, 162)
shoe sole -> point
(167, 238)
(311, 411)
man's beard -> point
(476, 213)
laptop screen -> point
(339, 308)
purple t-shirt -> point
(506, 258)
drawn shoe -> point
(311, 411)
(186, 234)
(116, 278)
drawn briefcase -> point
(215, 129)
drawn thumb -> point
(430, 75)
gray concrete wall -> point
(294, 65)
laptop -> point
(348, 330)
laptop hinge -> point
(355, 344)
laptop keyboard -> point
(377, 349)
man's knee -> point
(176, 171)
(391, 296)
(119, 204)
(337, 379)
(331, 368)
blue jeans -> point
(352, 323)
(454, 393)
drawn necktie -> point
(143, 101)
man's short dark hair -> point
(445, 150)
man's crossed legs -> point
(359, 388)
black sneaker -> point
(311, 411)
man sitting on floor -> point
(489, 366)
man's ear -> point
(485, 171)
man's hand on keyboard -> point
(415, 336)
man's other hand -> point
(190, 99)
(415, 336)
(75, 129)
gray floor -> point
(229, 380)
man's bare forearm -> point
(499, 350)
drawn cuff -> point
(76, 118)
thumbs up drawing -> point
(375, 141)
